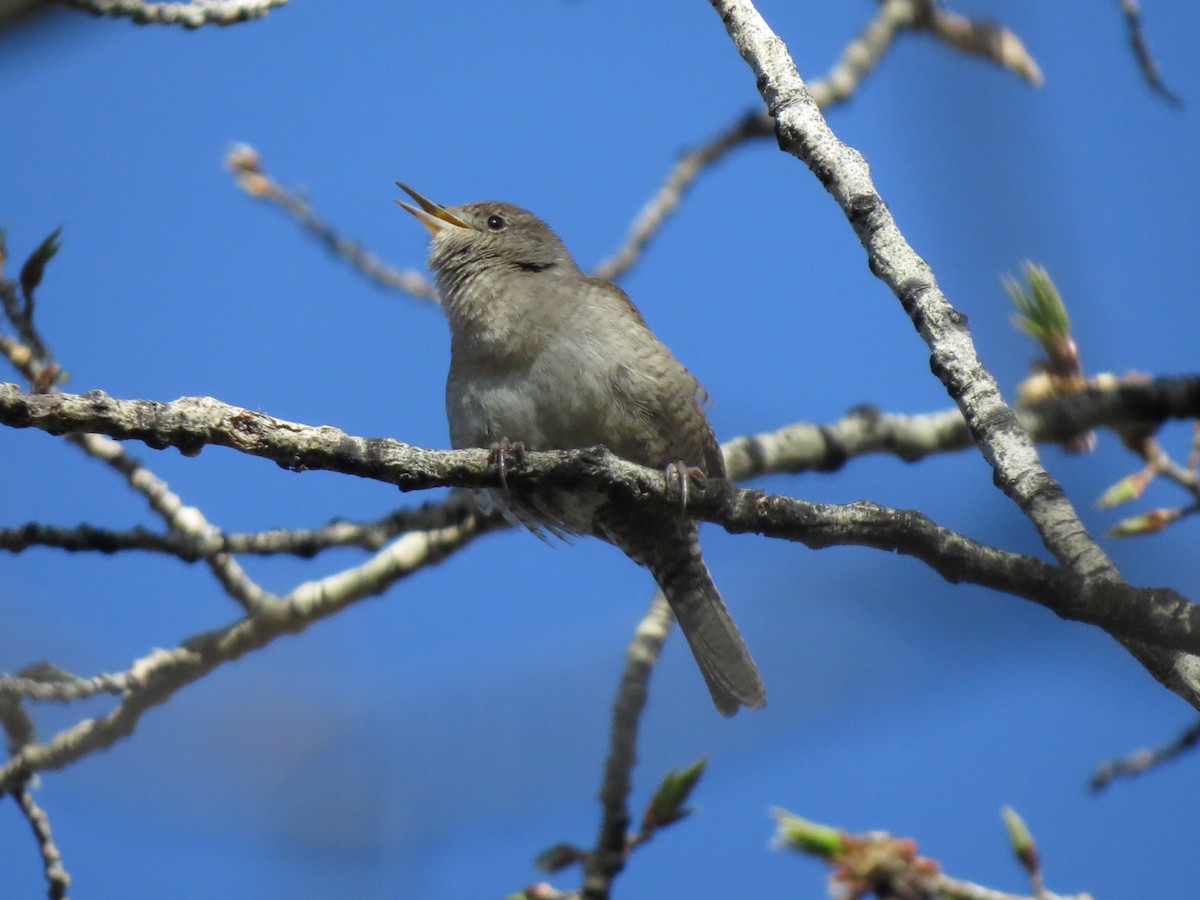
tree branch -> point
(804, 133)
(192, 14)
(155, 678)
(1158, 617)
(1141, 51)
(302, 542)
(1145, 759)
(246, 165)
(858, 60)
(607, 858)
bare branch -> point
(980, 37)
(45, 681)
(607, 858)
(33, 360)
(244, 161)
(862, 54)
(1145, 759)
(800, 447)
(192, 423)
(668, 197)
(1158, 617)
(155, 678)
(804, 133)
(1141, 49)
(184, 520)
(57, 878)
(857, 61)
(303, 542)
(19, 732)
(193, 14)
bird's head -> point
(487, 236)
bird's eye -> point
(496, 223)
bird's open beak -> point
(435, 218)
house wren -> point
(548, 358)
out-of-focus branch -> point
(667, 198)
(55, 873)
(979, 37)
(859, 59)
(1141, 50)
(19, 733)
(947, 888)
(607, 858)
(155, 678)
(1145, 759)
(193, 14)
(246, 165)
(882, 865)
(46, 681)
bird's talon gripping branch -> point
(679, 475)
(503, 454)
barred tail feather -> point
(670, 549)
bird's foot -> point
(679, 476)
(506, 454)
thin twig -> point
(668, 197)
(246, 164)
(57, 878)
(857, 61)
(608, 856)
(981, 37)
(154, 679)
(19, 733)
(1141, 50)
(1145, 759)
(302, 542)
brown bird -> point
(546, 358)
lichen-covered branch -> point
(193, 14)
(1160, 618)
(191, 423)
(800, 447)
(155, 678)
(302, 542)
(803, 132)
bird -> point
(545, 357)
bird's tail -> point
(670, 549)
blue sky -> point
(430, 742)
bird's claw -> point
(503, 454)
(679, 475)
